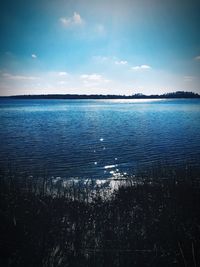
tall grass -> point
(145, 222)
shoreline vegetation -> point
(144, 222)
(174, 95)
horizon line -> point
(176, 94)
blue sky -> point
(93, 47)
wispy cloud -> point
(121, 62)
(111, 60)
(63, 73)
(34, 56)
(197, 58)
(91, 77)
(75, 20)
(188, 78)
(100, 59)
(100, 29)
(62, 82)
(9, 76)
(141, 67)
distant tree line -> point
(178, 94)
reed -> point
(144, 222)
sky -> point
(99, 47)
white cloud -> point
(121, 62)
(197, 58)
(18, 77)
(62, 73)
(141, 67)
(75, 20)
(111, 60)
(93, 79)
(34, 56)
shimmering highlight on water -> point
(97, 138)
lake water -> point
(97, 138)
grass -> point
(149, 223)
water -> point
(97, 138)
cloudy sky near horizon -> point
(99, 47)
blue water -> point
(97, 138)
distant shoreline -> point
(174, 95)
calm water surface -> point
(97, 139)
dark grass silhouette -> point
(178, 94)
(143, 223)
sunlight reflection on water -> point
(98, 139)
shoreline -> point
(173, 95)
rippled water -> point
(97, 138)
